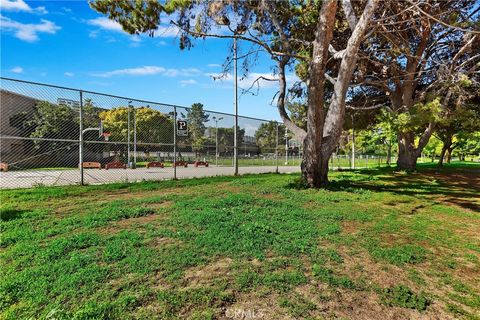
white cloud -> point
(106, 24)
(69, 74)
(185, 83)
(135, 39)
(66, 9)
(149, 70)
(93, 34)
(162, 43)
(28, 31)
(17, 70)
(20, 5)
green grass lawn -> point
(377, 245)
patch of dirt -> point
(204, 276)
(365, 305)
(125, 223)
(125, 194)
(255, 305)
(159, 205)
(360, 265)
(164, 241)
(464, 178)
(350, 226)
(466, 204)
(227, 186)
(117, 226)
(463, 188)
(269, 196)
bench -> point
(94, 165)
(201, 163)
(155, 164)
(115, 165)
(3, 166)
(180, 164)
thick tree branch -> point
(272, 52)
(299, 133)
(442, 22)
(349, 14)
(336, 111)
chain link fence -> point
(51, 135)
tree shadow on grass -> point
(449, 186)
(10, 214)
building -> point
(12, 106)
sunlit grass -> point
(195, 248)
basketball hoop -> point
(106, 135)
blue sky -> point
(66, 43)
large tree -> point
(268, 137)
(152, 125)
(417, 53)
(197, 118)
(461, 119)
(289, 32)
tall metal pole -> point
(81, 139)
(235, 146)
(174, 142)
(134, 138)
(286, 146)
(276, 148)
(216, 143)
(128, 135)
(353, 144)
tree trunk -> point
(407, 154)
(449, 154)
(442, 155)
(389, 154)
(313, 171)
(447, 145)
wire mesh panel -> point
(39, 135)
(50, 135)
(257, 142)
(129, 140)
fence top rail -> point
(128, 98)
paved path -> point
(28, 179)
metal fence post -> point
(276, 148)
(134, 138)
(80, 149)
(174, 143)
(128, 135)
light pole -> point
(128, 133)
(134, 138)
(286, 146)
(353, 144)
(238, 31)
(216, 138)
(235, 99)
